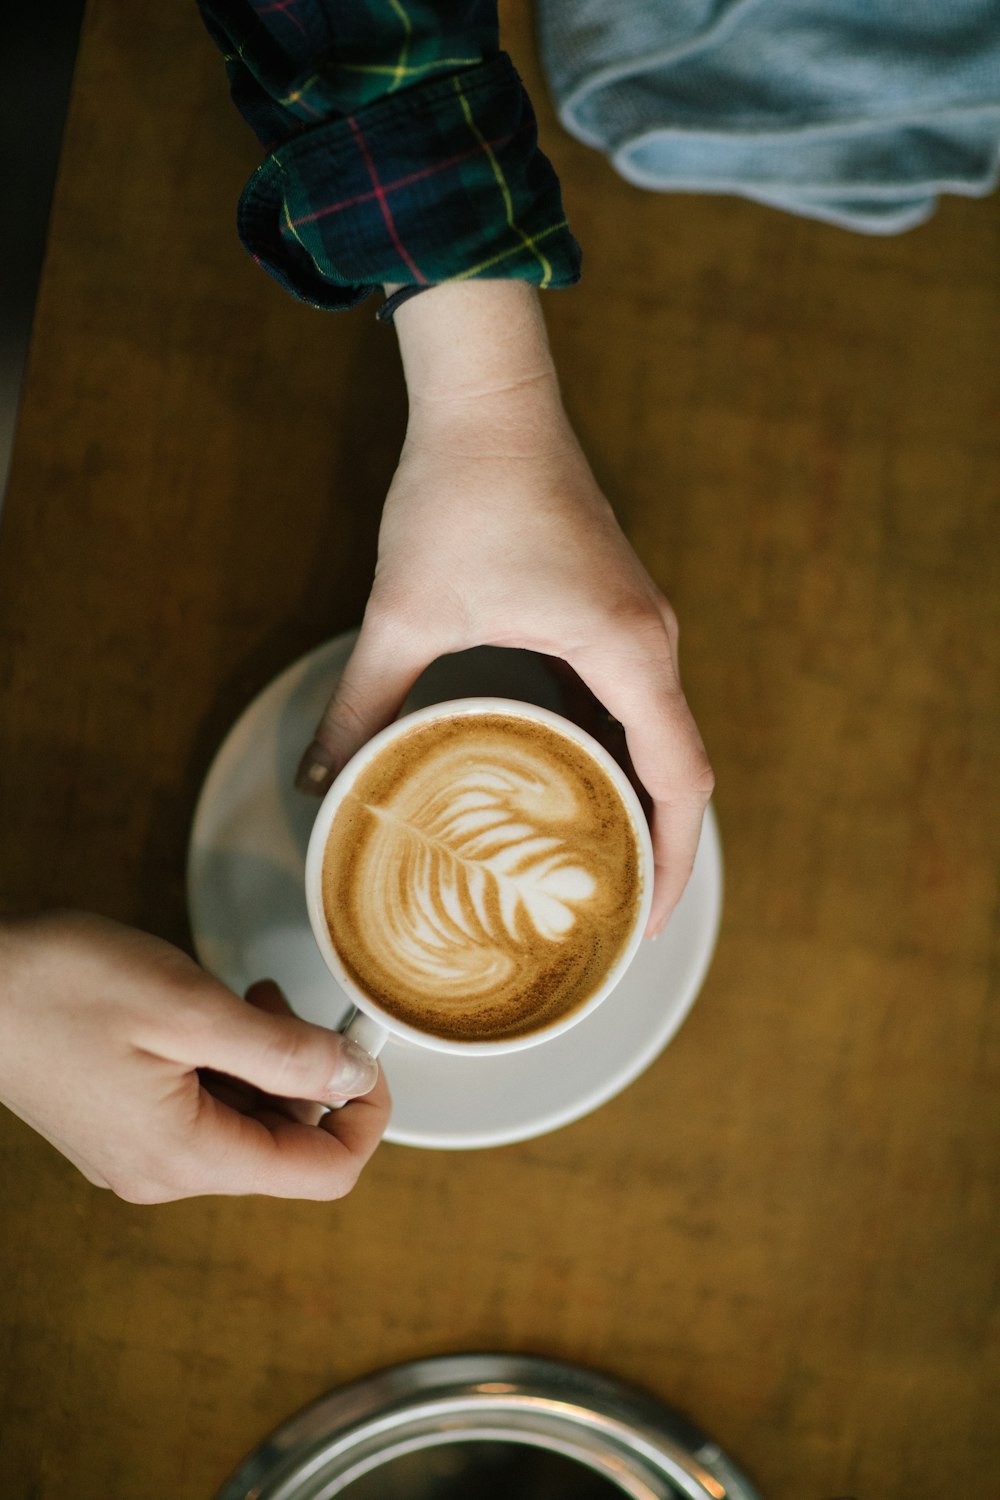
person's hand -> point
(105, 1036)
(495, 533)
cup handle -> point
(366, 1032)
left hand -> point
(495, 532)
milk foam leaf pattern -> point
(481, 877)
(473, 871)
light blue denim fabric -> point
(857, 112)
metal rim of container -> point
(648, 1450)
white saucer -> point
(248, 917)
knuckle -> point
(695, 786)
(33, 938)
(93, 1175)
(350, 1172)
(635, 617)
(140, 1194)
(143, 1190)
(671, 624)
(640, 631)
(343, 1181)
(697, 781)
(703, 780)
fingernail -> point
(316, 769)
(356, 1072)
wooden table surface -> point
(788, 1226)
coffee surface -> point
(481, 877)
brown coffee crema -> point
(481, 877)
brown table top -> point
(787, 1225)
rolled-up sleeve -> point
(401, 147)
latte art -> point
(466, 882)
(481, 877)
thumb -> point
(381, 670)
(280, 1054)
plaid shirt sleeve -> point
(401, 146)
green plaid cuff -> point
(375, 179)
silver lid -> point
(467, 1415)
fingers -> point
(266, 995)
(676, 831)
(277, 1053)
(270, 1154)
(383, 667)
(360, 1125)
(275, 1145)
(636, 680)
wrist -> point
(469, 341)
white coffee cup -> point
(371, 1026)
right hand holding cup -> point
(158, 1082)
